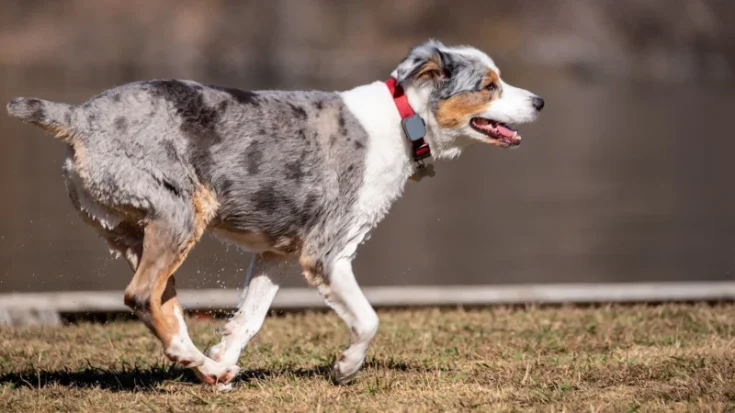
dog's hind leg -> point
(342, 293)
(265, 275)
(168, 238)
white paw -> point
(212, 372)
(345, 369)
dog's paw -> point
(215, 373)
(344, 371)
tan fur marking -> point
(313, 270)
(205, 207)
(163, 311)
(288, 244)
(491, 77)
(169, 305)
(149, 284)
(430, 70)
(58, 131)
(455, 111)
(80, 157)
(154, 284)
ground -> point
(673, 357)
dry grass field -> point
(674, 357)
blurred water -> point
(616, 182)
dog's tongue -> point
(505, 131)
(498, 130)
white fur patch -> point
(514, 106)
(388, 161)
(181, 345)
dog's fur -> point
(291, 176)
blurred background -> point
(627, 176)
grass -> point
(672, 357)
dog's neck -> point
(442, 147)
(374, 107)
(378, 96)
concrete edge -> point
(471, 295)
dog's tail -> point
(55, 118)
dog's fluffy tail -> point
(53, 117)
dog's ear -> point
(424, 63)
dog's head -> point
(459, 92)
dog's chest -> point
(387, 161)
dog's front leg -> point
(342, 293)
(264, 277)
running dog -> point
(294, 177)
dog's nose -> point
(537, 103)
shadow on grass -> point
(128, 379)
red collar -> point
(413, 125)
(404, 108)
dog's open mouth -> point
(499, 132)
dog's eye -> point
(491, 87)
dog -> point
(294, 177)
